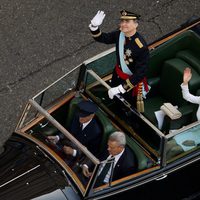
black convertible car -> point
(168, 162)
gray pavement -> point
(40, 40)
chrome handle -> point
(43, 125)
(161, 177)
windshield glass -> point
(56, 142)
(53, 94)
(183, 141)
(59, 88)
(104, 63)
(124, 113)
(104, 173)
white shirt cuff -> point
(85, 165)
(184, 87)
(93, 28)
(74, 152)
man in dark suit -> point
(84, 128)
(125, 162)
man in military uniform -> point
(131, 51)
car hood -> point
(27, 173)
(66, 193)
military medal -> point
(128, 52)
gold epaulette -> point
(138, 42)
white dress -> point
(191, 98)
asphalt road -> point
(40, 40)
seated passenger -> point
(84, 128)
(185, 91)
(124, 160)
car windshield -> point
(44, 130)
(48, 97)
(122, 112)
(57, 89)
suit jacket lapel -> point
(118, 164)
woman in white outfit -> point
(185, 91)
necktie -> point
(104, 172)
(81, 127)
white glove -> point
(115, 90)
(97, 20)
